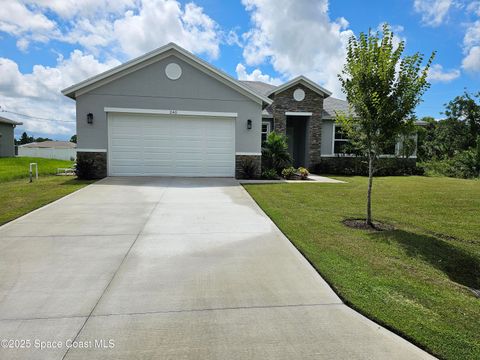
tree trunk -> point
(369, 192)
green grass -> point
(413, 279)
(19, 197)
(18, 167)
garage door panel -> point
(179, 146)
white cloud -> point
(255, 75)
(433, 12)
(472, 35)
(297, 37)
(71, 8)
(474, 7)
(437, 74)
(471, 48)
(159, 22)
(132, 27)
(38, 93)
(471, 62)
(18, 20)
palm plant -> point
(275, 153)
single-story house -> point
(170, 113)
(7, 137)
(62, 150)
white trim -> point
(91, 150)
(298, 113)
(171, 112)
(248, 153)
(154, 56)
(305, 81)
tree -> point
(25, 139)
(465, 108)
(383, 88)
(73, 139)
(42, 139)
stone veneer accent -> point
(313, 103)
(97, 161)
(239, 159)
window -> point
(340, 141)
(265, 130)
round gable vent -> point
(173, 71)
(299, 94)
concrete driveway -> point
(140, 268)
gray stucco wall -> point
(149, 88)
(7, 144)
(327, 137)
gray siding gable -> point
(152, 81)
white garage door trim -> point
(187, 121)
(170, 112)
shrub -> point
(288, 172)
(248, 169)
(303, 173)
(348, 166)
(463, 165)
(269, 174)
(275, 153)
(85, 168)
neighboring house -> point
(62, 150)
(170, 113)
(7, 137)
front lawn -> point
(415, 279)
(18, 167)
(18, 196)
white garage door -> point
(160, 145)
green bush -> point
(85, 168)
(248, 169)
(346, 165)
(288, 172)
(275, 153)
(270, 174)
(462, 165)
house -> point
(169, 113)
(62, 150)
(7, 137)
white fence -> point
(48, 153)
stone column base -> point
(91, 165)
(244, 161)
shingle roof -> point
(259, 87)
(330, 104)
(51, 144)
(8, 121)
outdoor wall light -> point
(90, 118)
(249, 124)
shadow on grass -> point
(459, 265)
(75, 181)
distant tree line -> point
(26, 139)
(451, 146)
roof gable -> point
(8, 121)
(155, 56)
(306, 82)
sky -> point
(48, 45)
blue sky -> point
(47, 45)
